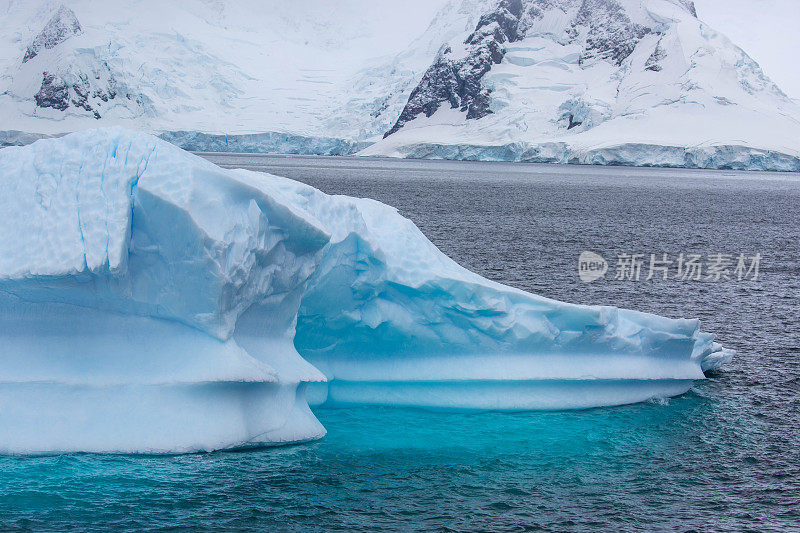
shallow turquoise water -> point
(677, 465)
(723, 457)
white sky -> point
(402, 22)
(766, 30)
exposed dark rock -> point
(63, 25)
(500, 24)
(458, 81)
(652, 62)
(612, 36)
(602, 27)
(80, 96)
(79, 90)
(480, 105)
(53, 93)
(573, 123)
(689, 4)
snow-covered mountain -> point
(217, 67)
(598, 81)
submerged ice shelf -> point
(153, 302)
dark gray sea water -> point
(723, 457)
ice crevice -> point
(158, 303)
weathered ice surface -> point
(147, 300)
(153, 302)
(262, 143)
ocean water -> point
(723, 457)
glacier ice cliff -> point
(718, 157)
(270, 142)
(153, 302)
(262, 143)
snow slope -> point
(598, 81)
(153, 302)
(236, 67)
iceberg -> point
(153, 302)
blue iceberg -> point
(151, 301)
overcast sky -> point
(766, 30)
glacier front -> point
(153, 302)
